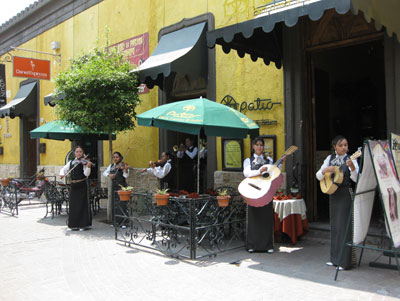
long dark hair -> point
(119, 155)
(255, 140)
(335, 141)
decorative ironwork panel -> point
(185, 227)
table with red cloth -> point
(290, 218)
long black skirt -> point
(119, 208)
(79, 208)
(260, 228)
(339, 210)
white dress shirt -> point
(353, 174)
(125, 173)
(160, 172)
(64, 170)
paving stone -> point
(41, 260)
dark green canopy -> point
(61, 130)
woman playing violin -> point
(117, 172)
(79, 209)
(164, 170)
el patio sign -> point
(32, 68)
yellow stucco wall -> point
(244, 79)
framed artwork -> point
(232, 154)
(270, 146)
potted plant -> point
(125, 193)
(162, 197)
(5, 181)
(223, 198)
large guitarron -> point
(259, 191)
(331, 180)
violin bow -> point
(123, 157)
(69, 171)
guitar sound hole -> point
(265, 174)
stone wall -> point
(141, 181)
(9, 170)
(233, 179)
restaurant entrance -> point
(348, 89)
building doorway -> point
(348, 86)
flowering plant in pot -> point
(162, 197)
(223, 198)
(5, 181)
(125, 193)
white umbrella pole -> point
(198, 163)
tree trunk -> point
(109, 184)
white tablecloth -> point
(284, 208)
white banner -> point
(364, 202)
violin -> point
(155, 163)
(85, 162)
(121, 165)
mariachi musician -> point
(260, 222)
(79, 216)
(118, 172)
(164, 170)
(188, 157)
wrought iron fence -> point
(189, 228)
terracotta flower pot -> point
(4, 182)
(223, 201)
(124, 195)
(161, 199)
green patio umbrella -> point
(61, 130)
(190, 116)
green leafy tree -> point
(101, 94)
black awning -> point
(49, 99)
(262, 36)
(183, 52)
(23, 103)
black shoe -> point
(250, 250)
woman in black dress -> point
(340, 201)
(80, 216)
(117, 172)
(260, 222)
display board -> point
(378, 171)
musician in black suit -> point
(187, 166)
(260, 221)
(118, 172)
(164, 170)
(340, 201)
(80, 216)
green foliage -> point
(162, 191)
(100, 92)
(128, 188)
(222, 192)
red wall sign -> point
(137, 49)
(32, 68)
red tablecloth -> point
(292, 225)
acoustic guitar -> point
(331, 180)
(259, 191)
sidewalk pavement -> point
(41, 260)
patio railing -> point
(185, 227)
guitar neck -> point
(288, 152)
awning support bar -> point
(37, 51)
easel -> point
(370, 190)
